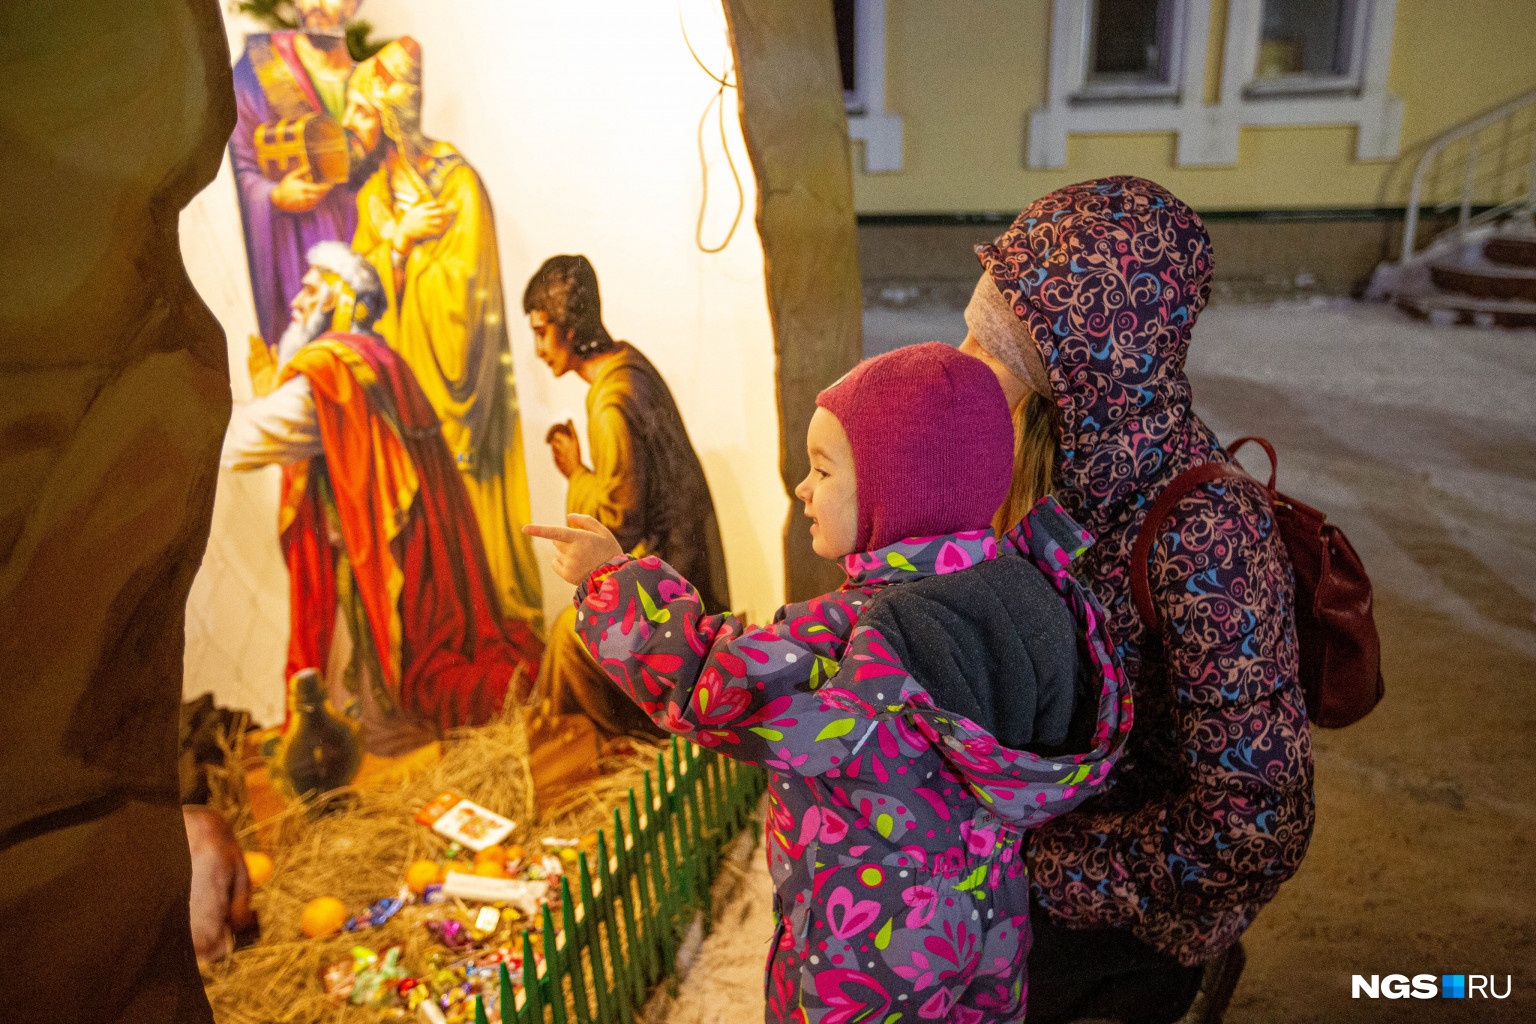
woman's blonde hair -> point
(1035, 455)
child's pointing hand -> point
(580, 549)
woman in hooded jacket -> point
(1084, 311)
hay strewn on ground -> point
(359, 854)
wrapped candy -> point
(450, 932)
(376, 984)
(337, 979)
(486, 921)
(377, 913)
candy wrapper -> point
(367, 979)
(338, 979)
(465, 821)
(450, 932)
(377, 913)
(377, 984)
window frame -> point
(1068, 110)
(1207, 133)
(1364, 103)
(1353, 40)
(868, 120)
(1173, 43)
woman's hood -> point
(1109, 276)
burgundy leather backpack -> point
(1335, 629)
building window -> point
(1308, 46)
(1132, 49)
(1123, 66)
(844, 18)
(1304, 62)
(860, 28)
(1139, 66)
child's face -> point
(830, 489)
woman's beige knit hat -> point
(1003, 336)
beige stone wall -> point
(113, 397)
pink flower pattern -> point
(894, 827)
(1213, 808)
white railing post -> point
(1468, 182)
(1411, 221)
(1470, 131)
(1530, 183)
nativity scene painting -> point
(384, 390)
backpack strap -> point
(1141, 552)
(1269, 449)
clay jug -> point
(319, 750)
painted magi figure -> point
(424, 222)
(374, 521)
(280, 79)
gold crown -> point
(399, 61)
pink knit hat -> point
(932, 442)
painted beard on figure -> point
(363, 161)
(301, 333)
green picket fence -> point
(618, 935)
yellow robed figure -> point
(425, 224)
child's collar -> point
(1047, 536)
(917, 557)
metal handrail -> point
(1465, 218)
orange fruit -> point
(515, 853)
(259, 866)
(494, 854)
(421, 874)
(489, 869)
(323, 916)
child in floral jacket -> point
(893, 714)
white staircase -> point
(1483, 270)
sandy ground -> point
(1421, 443)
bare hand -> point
(421, 222)
(565, 447)
(580, 549)
(297, 194)
(221, 888)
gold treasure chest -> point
(313, 143)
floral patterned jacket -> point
(1212, 806)
(893, 825)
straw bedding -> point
(358, 850)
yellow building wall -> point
(964, 75)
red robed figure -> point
(409, 534)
